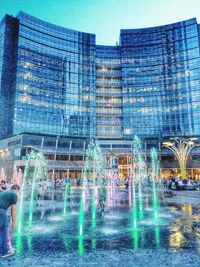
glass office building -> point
(160, 76)
(53, 91)
(109, 106)
(57, 82)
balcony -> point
(108, 73)
(108, 83)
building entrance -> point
(124, 166)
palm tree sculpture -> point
(181, 147)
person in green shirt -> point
(7, 199)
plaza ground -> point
(51, 256)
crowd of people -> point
(67, 181)
(176, 183)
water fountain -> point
(138, 173)
(35, 169)
(85, 184)
(111, 187)
(155, 179)
(39, 174)
(94, 169)
(137, 189)
(129, 227)
(21, 204)
(81, 227)
(66, 193)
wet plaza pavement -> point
(111, 258)
(75, 237)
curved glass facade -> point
(62, 83)
(55, 89)
(161, 80)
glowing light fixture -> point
(181, 147)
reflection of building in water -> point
(56, 83)
(187, 210)
(177, 240)
(182, 227)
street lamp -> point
(181, 147)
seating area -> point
(179, 184)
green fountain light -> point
(81, 227)
(157, 235)
(40, 173)
(155, 178)
(19, 243)
(135, 237)
(30, 156)
(65, 200)
(139, 171)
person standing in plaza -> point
(39, 195)
(102, 197)
(126, 182)
(8, 199)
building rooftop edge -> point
(22, 13)
(192, 20)
(122, 31)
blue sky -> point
(105, 18)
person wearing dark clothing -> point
(126, 183)
(3, 186)
(78, 182)
(102, 197)
(7, 199)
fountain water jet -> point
(81, 226)
(155, 179)
(111, 187)
(30, 156)
(139, 170)
(94, 166)
(65, 200)
(40, 173)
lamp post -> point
(181, 147)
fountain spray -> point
(139, 171)
(155, 174)
(40, 173)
